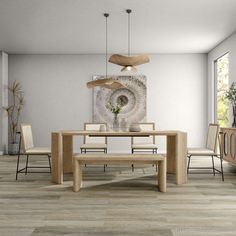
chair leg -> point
(132, 166)
(104, 167)
(156, 153)
(49, 162)
(85, 153)
(26, 166)
(189, 159)
(213, 165)
(18, 158)
(81, 151)
(153, 153)
(221, 166)
(17, 165)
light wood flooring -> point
(117, 202)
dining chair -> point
(210, 150)
(26, 140)
(94, 144)
(144, 144)
(140, 144)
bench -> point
(119, 159)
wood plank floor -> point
(117, 202)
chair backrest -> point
(27, 136)
(212, 136)
(94, 127)
(148, 126)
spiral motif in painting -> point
(132, 99)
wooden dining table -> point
(62, 150)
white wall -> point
(57, 97)
(228, 45)
(3, 102)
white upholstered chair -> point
(144, 144)
(94, 144)
(26, 139)
(210, 150)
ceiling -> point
(78, 26)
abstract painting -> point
(132, 98)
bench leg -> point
(162, 175)
(77, 176)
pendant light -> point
(106, 82)
(128, 62)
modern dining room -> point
(117, 117)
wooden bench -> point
(119, 159)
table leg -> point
(77, 183)
(162, 176)
(177, 156)
(67, 144)
(57, 167)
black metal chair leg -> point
(26, 166)
(18, 158)
(132, 166)
(213, 165)
(153, 153)
(17, 165)
(189, 159)
(188, 164)
(221, 166)
(104, 167)
(83, 151)
(49, 162)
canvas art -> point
(132, 99)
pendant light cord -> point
(128, 34)
(128, 11)
(106, 15)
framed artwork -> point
(132, 99)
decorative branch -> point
(115, 109)
(15, 109)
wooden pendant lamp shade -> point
(128, 62)
(105, 83)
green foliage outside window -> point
(230, 94)
(222, 70)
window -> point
(222, 84)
